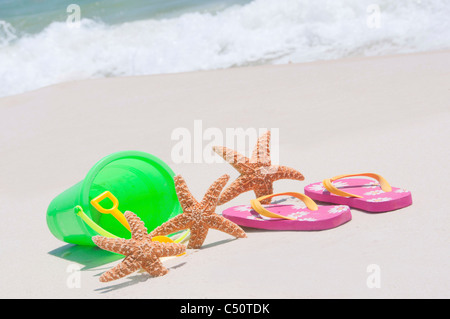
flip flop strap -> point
(327, 183)
(257, 206)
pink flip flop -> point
(288, 217)
(362, 193)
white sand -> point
(388, 115)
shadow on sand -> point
(88, 256)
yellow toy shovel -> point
(114, 210)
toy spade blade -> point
(113, 210)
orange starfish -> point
(140, 251)
(199, 217)
(257, 173)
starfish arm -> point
(115, 245)
(138, 229)
(209, 201)
(198, 236)
(263, 190)
(238, 161)
(242, 184)
(184, 195)
(177, 223)
(126, 267)
(284, 172)
(218, 222)
(169, 249)
(261, 152)
(154, 267)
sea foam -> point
(261, 32)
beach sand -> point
(388, 115)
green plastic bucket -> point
(141, 182)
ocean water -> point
(44, 42)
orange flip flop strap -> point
(256, 205)
(327, 183)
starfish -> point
(140, 251)
(257, 173)
(199, 217)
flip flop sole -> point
(326, 217)
(374, 199)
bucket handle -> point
(101, 231)
(79, 212)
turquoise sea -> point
(43, 42)
(33, 16)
